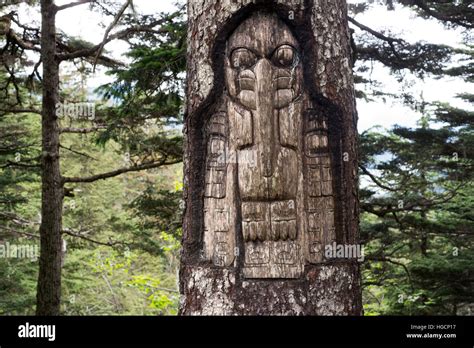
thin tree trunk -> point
(49, 280)
(254, 239)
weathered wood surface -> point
(270, 160)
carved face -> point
(263, 68)
(264, 79)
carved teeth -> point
(261, 231)
(283, 230)
(292, 229)
(275, 231)
(253, 231)
(245, 231)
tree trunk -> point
(270, 160)
(49, 280)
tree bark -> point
(49, 279)
(254, 245)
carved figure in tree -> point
(268, 171)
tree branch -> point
(87, 52)
(391, 41)
(72, 4)
(386, 259)
(26, 45)
(77, 152)
(20, 233)
(17, 220)
(420, 206)
(423, 6)
(109, 28)
(81, 236)
(375, 180)
(20, 165)
(373, 32)
(119, 172)
(20, 111)
(81, 130)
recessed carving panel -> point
(268, 167)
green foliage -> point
(418, 220)
(148, 94)
(104, 282)
(405, 59)
(19, 202)
(18, 283)
(119, 259)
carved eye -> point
(242, 58)
(284, 56)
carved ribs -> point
(216, 157)
(319, 193)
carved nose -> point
(264, 96)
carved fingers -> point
(255, 230)
(269, 221)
